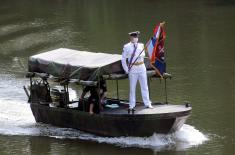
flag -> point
(155, 48)
(150, 46)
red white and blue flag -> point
(155, 46)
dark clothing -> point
(93, 91)
(95, 101)
(94, 97)
(103, 87)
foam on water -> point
(16, 119)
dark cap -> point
(134, 34)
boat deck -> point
(142, 110)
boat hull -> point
(109, 124)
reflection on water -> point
(16, 119)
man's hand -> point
(162, 23)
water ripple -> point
(16, 119)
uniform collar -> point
(134, 43)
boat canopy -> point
(74, 64)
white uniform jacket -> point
(128, 49)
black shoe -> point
(131, 110)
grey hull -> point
(112, 124)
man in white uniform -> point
(135, 69)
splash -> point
(16, 119)
(183, 139)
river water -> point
(200, 55)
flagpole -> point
(138, 56)
(161, 24)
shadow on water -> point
(44, 145)
(15, 31)
(24, 43)
(59, 140)
(10, 19)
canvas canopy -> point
(73, 64)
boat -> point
(65, 67)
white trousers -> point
(142, 78)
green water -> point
(200, 56)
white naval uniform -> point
(136, 73)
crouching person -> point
(96, 97)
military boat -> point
(66, 67)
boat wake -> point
(183, 139)
(16, 119)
